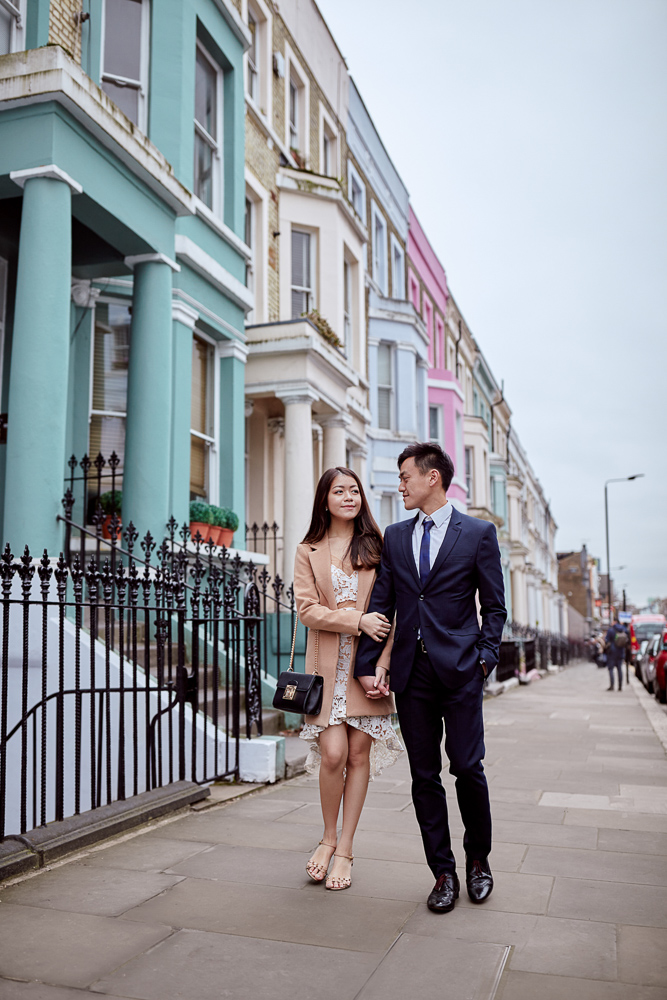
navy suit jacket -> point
(443, 610)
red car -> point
(660, 680)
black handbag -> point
(300, 693)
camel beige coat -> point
(317, 610)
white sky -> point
(532, 136)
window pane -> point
(384, 408)
(299, 303)
(201, 353)
(127, 99)
(122, 38)
(107, 434)
(300, 259)
(111, 358)
(205, 95)
(434, 423)
(5, 31)
(386, 511)
(198, 467)
(203, 171)
(384, 365)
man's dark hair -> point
(427, 456)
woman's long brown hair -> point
(366, 545)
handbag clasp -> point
(290, 692)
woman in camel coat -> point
(352, 738)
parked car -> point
(644, 627)
(644, 662)
(659, 643)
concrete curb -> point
(655, 713)
(40, 847)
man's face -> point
(414, 487)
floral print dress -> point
(386, 747)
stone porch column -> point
(233, 355)
(148, 437)
(39, 372)
(335, 440)
(184, 318)
(298, 470)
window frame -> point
(311, 292)
(353, 175)
(106, 300)
(259, 196)
(210, 439)
(469, 463)
(328, 131)
(386, 498)
(17, 13)
(440, 349)
(427, 316)
(397, 251)
(140, 84)
(217, 145)
(387, 387)
(294, 73)
(414, 291)
(381, 280)
(252, 65)
(440, 415)
(348, 305)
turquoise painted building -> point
(122, 257)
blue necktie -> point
(425, 551)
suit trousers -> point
(423, 707)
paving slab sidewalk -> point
(216, 904)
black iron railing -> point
(128, 664)
(524, 648)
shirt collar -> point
(439, 516)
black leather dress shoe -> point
(444, 893)
(479, 880)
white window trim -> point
(217, 175)
(440, 439)
(352, 172)
(143, 69)
(107, 300)
(264, 21)
(213, 440)
(17, 12)
(377, 214)
(396, 246)
(327, 125)
(313, 233)
(292, 65)
(260, 197)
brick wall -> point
(63, 29)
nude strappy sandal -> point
(318, 872)
(343, 883)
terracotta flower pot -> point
(205, 530)
(226, 537)
(105, 528)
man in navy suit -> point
(432, 568)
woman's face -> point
(344, 500)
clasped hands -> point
(377, 626)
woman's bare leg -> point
(356, 787)
(333, 750)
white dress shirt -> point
(440, 518)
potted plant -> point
(228, 523)
(200, 520)
(111, 503)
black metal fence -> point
(524, 648)
(127, 664)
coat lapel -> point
(451, 538)
(406, 530)
(320, 560)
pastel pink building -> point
(427, 290)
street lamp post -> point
(624, 479)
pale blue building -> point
(122, 256)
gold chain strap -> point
(317, 647)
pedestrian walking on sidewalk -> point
(617, 640)
(352, 738)
(433, 567)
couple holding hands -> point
(411, 598)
